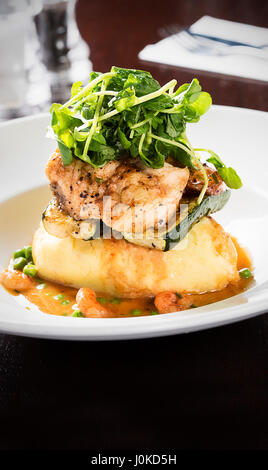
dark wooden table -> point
(206, 390)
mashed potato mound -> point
(205, 260)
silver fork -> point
(204, 45)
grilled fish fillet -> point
(127, 195)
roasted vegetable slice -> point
(186, 220)
(147, 242)
(57, 223)
(85, 230)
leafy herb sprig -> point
(126, 111)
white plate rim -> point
(47, 326)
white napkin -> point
(239, 61)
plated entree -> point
(129, 230)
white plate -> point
(239, 136)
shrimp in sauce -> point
(168, 302)
(15, 280)
(88, 304)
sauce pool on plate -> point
(56, 299)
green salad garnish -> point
(127, 112)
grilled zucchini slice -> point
(147, 242)
(186, 220)
(57, 223)
(183, 223)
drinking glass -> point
(63, 51)
(23, 85)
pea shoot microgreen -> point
(126, 111)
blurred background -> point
(46, 45)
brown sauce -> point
(56, 299)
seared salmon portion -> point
(127, 195)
